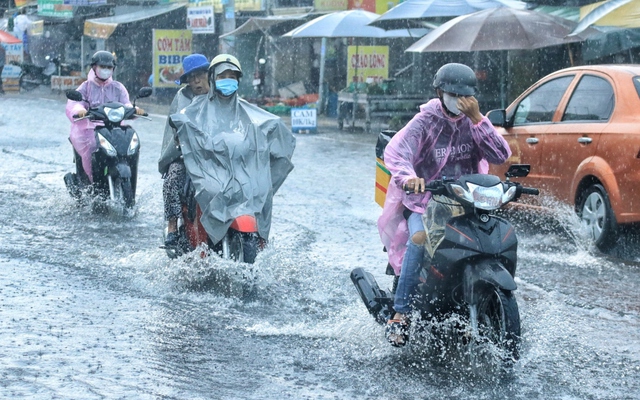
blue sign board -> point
(304, 120)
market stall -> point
(370, 106)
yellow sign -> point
(382, 6)
(368, 64)
(169, 48)
(99, 30)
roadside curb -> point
(155, 106)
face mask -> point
(227, 86)
(104, 73)
(451, 102)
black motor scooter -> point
(115, 161)
(471, 273)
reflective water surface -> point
(92, 308)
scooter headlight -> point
(133, 146)
(104, 143)
(114, 114)
(487, 198)
(508, 195)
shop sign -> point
(374, 6)
(54, 8)
(303, 120)
(219, 5)
(14, 53)
(201, 19)
(170, 47)
(59, 82)
(330, 5)
(85, 2)
(368, 64)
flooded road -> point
(92, 308)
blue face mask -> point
(227, 86)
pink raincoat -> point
(82, 133)
(431, 146)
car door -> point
(574, 138)
(529, 119)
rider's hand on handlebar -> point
(415, 184)
(82, 113)
(139, 111)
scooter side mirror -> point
(73, 95)
(518, 171)
(145, 91)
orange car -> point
(579, 129)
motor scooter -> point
(471, 273)
(32, 75)
(115, 160)
(241, 242)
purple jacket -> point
(97, 92)
(431, 146)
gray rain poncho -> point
(170, 152)
(237, 156)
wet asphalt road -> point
(92, 308)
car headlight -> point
(134, 144)
(114, 114)
(484, 198)
(104, 143)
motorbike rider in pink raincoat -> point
(99, 88)
(449, 137)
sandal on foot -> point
(397, 332)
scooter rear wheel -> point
(243, 247)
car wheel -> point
(597, 217)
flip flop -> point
(397, 332)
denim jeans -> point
(411, 264)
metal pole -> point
(323, 51)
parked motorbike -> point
(115, 161)
(32, 76)
(241, 243)
(471, 274)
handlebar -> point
(433, 186)
(531, 191)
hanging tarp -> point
(103, 28)
(610, 41)
(625, 16)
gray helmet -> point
(456, 78)
(103, 58)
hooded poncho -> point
(237, 156)
(432, 145)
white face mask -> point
(104, 73)
(451, 102)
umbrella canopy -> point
(619, 13)
(415, 12)
(352, 23)
(8, 38)
(499, 29)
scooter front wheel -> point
(498, 321)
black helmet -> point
(456, 78)
(103, 58)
